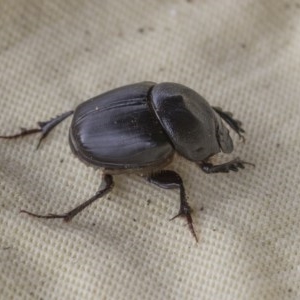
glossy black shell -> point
(142, 125)
(117, 130)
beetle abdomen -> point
(118, 127)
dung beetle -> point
(138, 128)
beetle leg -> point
(44, 128)
(168, 179)
(232, 165)
(236, 125)
(108, 180)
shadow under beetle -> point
(138, 128)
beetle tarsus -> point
(236, 125)
(23, 132)
(49, 216)
(168, 179)
(233, 165)
(71, 214)
(185, 211)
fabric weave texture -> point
(240, 55)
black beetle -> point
(138, 128)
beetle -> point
(138, 128)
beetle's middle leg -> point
(44, 128)
(233, 165)
(168, 179)
(108, 185)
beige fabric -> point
(240, 55)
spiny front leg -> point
(108, 185)
(233, 165)
(168, 179)
(236, 125)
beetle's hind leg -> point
(168, 179)
(233, 165)
(44, 128)
(108, 185)
(236, 125)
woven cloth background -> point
(240, 55)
